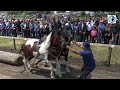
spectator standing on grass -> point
(101, 31)
(14, 33)
(8, 26)
(115, 32)
(76, 34)
(88, 59)
(22, 26)
(94, 34)
(27, 29)
(18, 26)
(82, 30)
(3, 28)
(89, 28)
(0, 27)
(31, 27)
(37, 29)
(72, 28)
(108, 33)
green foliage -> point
(82, 13)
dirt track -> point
(101, 71)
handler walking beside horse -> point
(88, 59)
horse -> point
(58, 49)
(31, 46)
(52, 48)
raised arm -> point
(78, 44)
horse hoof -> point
(60, 75)
(52, 77)
(28, 70)
(67, 70)
(56, 73)
(46, 65)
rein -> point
(54, 55)
(66, 51)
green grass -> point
(100, 52)
(7, 43)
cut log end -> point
(19, 61)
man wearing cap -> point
(88, 58)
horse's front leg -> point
(51, 66)
(66, 63)
(58, 68)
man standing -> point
(89, 28)
(18, 26)
(88, 59)
(101, 31)
(3, 28)
(82, 30)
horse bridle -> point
(61, 49)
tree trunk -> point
(11, 58)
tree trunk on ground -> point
(11, 58)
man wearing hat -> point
(88, 58)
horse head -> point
(57, 39)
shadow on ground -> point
(68, 75)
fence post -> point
(109, 55)
(110, 51)
(14, 44)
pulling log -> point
(11, 58)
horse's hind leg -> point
(28, 63)
(25, 65)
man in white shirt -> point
(89, 28)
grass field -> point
(100, 52)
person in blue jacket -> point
(88, 58)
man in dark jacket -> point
(115, 32)
(18, 26)
(82, 31)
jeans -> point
(85, 72)
(3, 32)
(8, 32)
(115, 39)
(99, 37)
(38, 34)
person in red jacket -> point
(94, 34)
